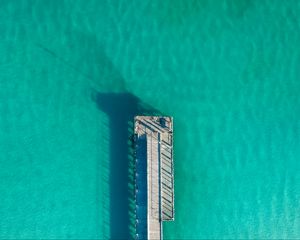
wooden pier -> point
(154, 175)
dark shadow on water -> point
(102, 74)
(121, 109)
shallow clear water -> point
(72, 74)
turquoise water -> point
(73, 72)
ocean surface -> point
(74, 72)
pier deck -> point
(154, 176)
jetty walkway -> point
(154, 175)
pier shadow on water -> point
(121, 109)
(93, 65)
